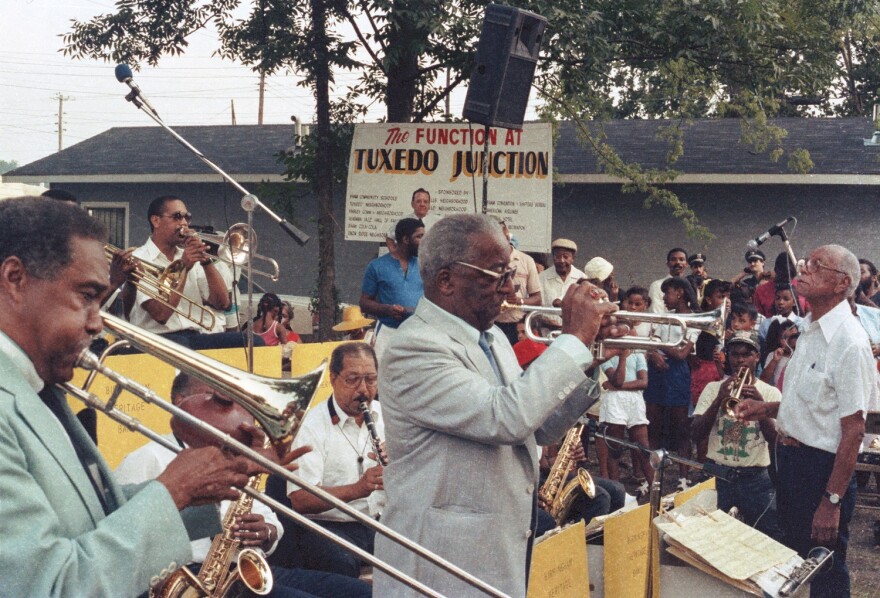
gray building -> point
(736, 192)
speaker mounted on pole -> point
(507, 55)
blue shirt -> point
(386, 282)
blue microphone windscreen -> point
(123, 73)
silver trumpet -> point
(709, 321)
(277, 405)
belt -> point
(788, 441)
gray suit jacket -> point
(463, 450)
(55, 539)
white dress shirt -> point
(333, 460)
(196, 289)
(830, 376)
(147, 462)
(554, 287)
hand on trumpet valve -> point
(587, 314)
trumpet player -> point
(741, 446)
(69, 528)
(464, 422)
(201, 281)
(343, 460)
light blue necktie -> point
(487, 349)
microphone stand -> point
(249, 202)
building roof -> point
(712, 153)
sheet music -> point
(730, 546)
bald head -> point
(841, 258)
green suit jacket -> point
(55, 539)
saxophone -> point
(556, 494)
(218, 572)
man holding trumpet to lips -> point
(201, 281)
(464, 422)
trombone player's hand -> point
(587, 314)
(121, 266)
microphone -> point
(773, 230)
(124, 75)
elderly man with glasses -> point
(464, 422)
(829, 383)
(201, 280)
(343, 461)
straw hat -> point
(352, 319)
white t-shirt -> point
(731, 442)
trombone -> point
(160, 284)
(709, 321)
(233, 248)
(277, 405)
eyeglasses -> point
(811, 266)
(180, 216)
(502, 277)
(354, 381)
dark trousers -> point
(321, 554)
(802, 476)
(752, 493)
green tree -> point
(7, 165)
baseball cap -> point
(745, 337)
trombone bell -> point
(276, 404)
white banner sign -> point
(390, 161)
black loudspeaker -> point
(506, 58)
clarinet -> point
(374, 435)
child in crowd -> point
(623, 409)
(743, 316)
(707, 364)
(782, 336)
(668, 395)
(785, 307)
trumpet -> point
(233, 248)
(277, 405)
(160, 284)
(709, 321)
(743, 376)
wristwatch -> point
(833, 498)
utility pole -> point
(262, 95)
(232, 104)
(58, 96)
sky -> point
(194, 89)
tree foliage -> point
(602, 59)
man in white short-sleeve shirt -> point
(821, 420)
